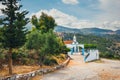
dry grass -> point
(60, 58)
(19, 70)
(26, 69)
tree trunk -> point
(10, 61)
(41, 62)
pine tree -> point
(13, 27)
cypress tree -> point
(13, 27)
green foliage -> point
(35, 22)
(64, 49)
(40, 42)
(14, 22)
(109, 55)
(42, 38)
(50, 62)
(1, 33)
(35, 40)
(45, 44)
(1, 21)
(24, 57)
(44, 23)
(52, 43)
(19, 55)
(90, 46)
(2, 55)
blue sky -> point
(77, 13)
(82, 10)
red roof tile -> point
(68, 42)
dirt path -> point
(78, 70)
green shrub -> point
(90, 46)
(2, 56)
(117, 56)
(25, 61)
(14, 56)
(18, 55)
(105, 55)
(32, 61)
(49, 62)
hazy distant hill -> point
(96, 31)
(118, 31)
(67, 30)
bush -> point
(25, 61)
(65, 49)
(2, 56)
(16, 56)
(49, 62)
(117, 56)
(109, 55)
(20, 57)
(90, 46)
(62, 56)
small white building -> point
(74, 46)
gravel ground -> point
(79, 70)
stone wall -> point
(29, 75)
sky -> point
(77, 13)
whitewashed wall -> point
(93, 55)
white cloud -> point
(1, 7)
(113, 25)
(109, 18)
(65, 19)
(70, 21)
(73, 2)
(110, 10)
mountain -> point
(117, 31)
(67, 30)
(96, 31)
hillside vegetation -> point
(108, 45)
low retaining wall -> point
(29, 75)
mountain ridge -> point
(97, 31)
